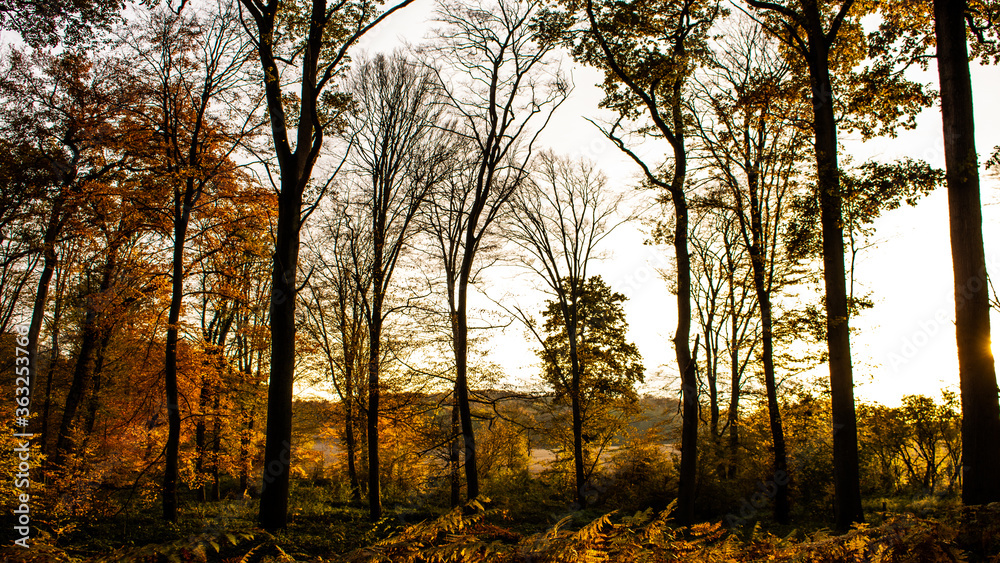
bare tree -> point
(400, 155)
(726, 310)
(335, 320)
(496, 78)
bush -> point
(641, 475)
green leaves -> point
(610, 365)
(875, 187)
(868, 191)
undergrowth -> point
(478, 533)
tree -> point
(492, 66)
(62, 107)
(820, 33)
(195, 67)
(929, 425)
(589, 363)
(648, 53)
(917, 443)
(977, 373)
(228, 247)
(400, 156)
(110, 285)
(336, 320)
(47, 24)
(317, 40)
(560, 217)
(872, 98)
(25, 174)
(242, 269)
(752, 141)
(726, 310)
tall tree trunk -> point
(571, 316)
(183, 201)
(295, 170)
(977, 375)
(245, 461)
(49, 263)
(732, 417)
(454, 455)
(685, 362)
(578, 461)
(846, 474)
(47, 405)
(374, 352)
(53, 362)
(77, 389)
(734, 432)
(351, 442)
(374, 365)
(216, 447)
(97, 380)
(462, 381)
(82, 372)
(711, 375)
(758, 260)
(199, 435)
(214, 337)
(781, 508)
(273, 512)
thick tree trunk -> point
(170, 475)
(571, 316)
(47, 405)
(77, 389)
(977, 375)
(273, 513)
(578, 461)
(845, 432)
(97, 381)
(49, 262)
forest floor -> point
(325, 530)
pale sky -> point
(904, 345)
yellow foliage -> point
(458, 537)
